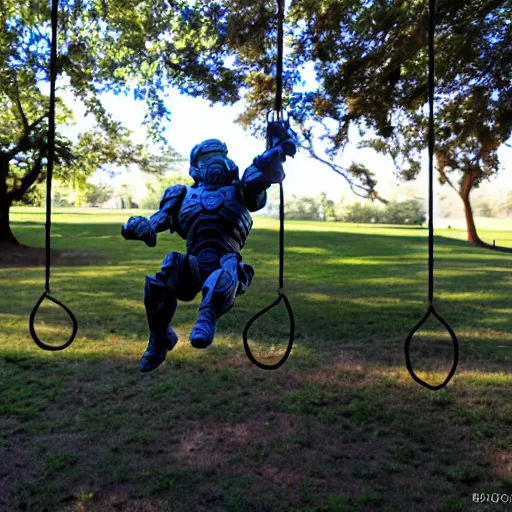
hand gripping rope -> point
(51, 159)
(279, 116)
(431, 309)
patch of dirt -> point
(282, 476)
(117, 501)
(501, 463)
(25, 256)
(349, 370)
(211, 444)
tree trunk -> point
(470, 221)
(6, 235)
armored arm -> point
(165, 217)
(265, 170)
(141, 228)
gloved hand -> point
(139, 228)
(279, 133)
(270, 163)
(289, 146)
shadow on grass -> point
(344, 287)
(340, 427)
(185, 433)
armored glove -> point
(139, 228)
(280, 134)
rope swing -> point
(51, 159)
(276, 116)
(431, 309)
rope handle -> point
(431, 141)
(36, 338)
(281, 297)
(432, 311)
(277, 116)
(49, 173)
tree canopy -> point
(126, 47)
(370, 60)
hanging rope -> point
(51, 159)
(272, 117)
(431, 309)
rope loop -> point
(281, 297)
(431, 311)
(35, 337)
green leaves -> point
(371, 62)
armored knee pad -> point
(219, 291)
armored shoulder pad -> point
(172, 196)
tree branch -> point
(25, 143)
(444, 176)
(355, 187)
(20, 108)
(28, 180)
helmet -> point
(209, 163)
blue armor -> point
(213, 217)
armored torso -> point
(214, 217)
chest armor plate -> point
(226, 203)
(212, 199)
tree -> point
(134, 46)
(98, 194)
(362, 213)
(302, 208)
(410, 211)
(371, 61)
(507, 203)
(327, 208)
(251, 30)
(273, 201)
(156, 190)
(383, 63)
(125, 195)
(169, 165)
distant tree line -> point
(63, 196)
(493, 206)
(497, 203)
(411, 211)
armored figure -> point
(212, 215)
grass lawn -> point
(340, 427)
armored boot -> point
(160, 303)
(203, 331)
(219, 292)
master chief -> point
(212, 215)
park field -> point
(340, 427)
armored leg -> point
(219, 291)
(160, 303)
(174, 281)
